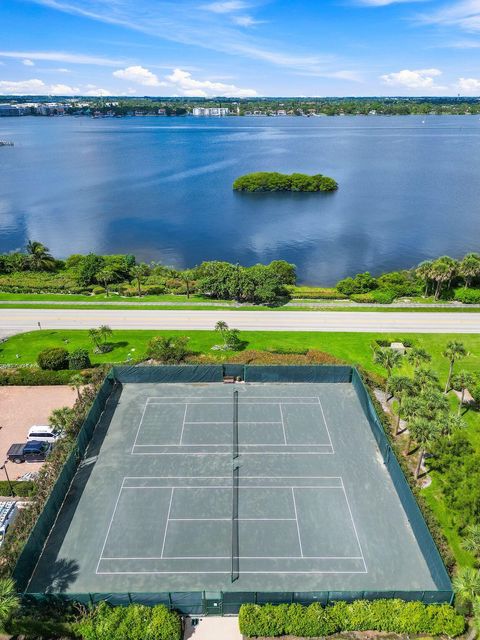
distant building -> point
(14, 110)
(210, 111)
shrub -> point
(21, 488)
(363, 298)
(316, 293)
(383, 296)
(134, 622)
(168, 350)
(97, 291)
(468, 296)
(273, 181)
(31, 376)
(394, 616)
(361, 283)
(79, 359)
(53, 359)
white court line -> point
(183, 424)
(229, 477)
(257, 444)
(229, 488)
(142, 573)
(242, 557)
(230, 519)
(139, 427)
(326, 425)
(166, 525)
(246, 453)
(229, 422)
(110, 525)
(283, 422)
(354, 527)
(296, 519)
(228, 399)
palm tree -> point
(423, 431)
(423, 271)
(39, 256)
(400, 387)
(222, 328)
(451, 423)
(62, 419)
(424, 379)
(442, 272)
(469, 268)
(76, 383)
(472, 539)
(9, 599)
(387, 358)
(187, 277)
(138, 272)
(466, 585)
(460, 382)
(416, 356)
(106, 276)
(104, 331)
(453, 351)
(95, 337)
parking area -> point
(22, 407)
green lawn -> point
(352, 347)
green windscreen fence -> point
(195, 602)
(34, 545)
(415, 517)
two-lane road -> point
(14, 321)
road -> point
(14, 321)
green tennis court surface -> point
(155, 507)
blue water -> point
(161, 188)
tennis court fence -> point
(229, 602)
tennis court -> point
(247, 487)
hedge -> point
(21, 488)
(468, 296)
(31, 376)
(315, 620)
(133, 622)
(53, 359)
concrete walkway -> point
(213, 628)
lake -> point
(161, 188)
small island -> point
(264, 181)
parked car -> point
(32, 451)
(42, 434)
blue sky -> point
(240, 47)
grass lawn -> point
(352, 347)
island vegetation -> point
(263, 181)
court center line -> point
(296, 519)
(283, 423)
(142, 573)
(242, 557)
(325, 422)
(166, 525)
(139, 427)
(183, 424)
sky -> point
(240, 48)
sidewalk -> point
(213, 628)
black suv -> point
(33, 451)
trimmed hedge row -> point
(134, 622)
(31, 376)
(394, 616)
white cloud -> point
(36, 87)
(60, 56)
(464, 14)
(413, 78)
(28, 63)
(228, 6)
(246, 21)
(139, 75)
(469, 86)
(384, 3)
(188, 86)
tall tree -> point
(471, 541)
(423, 431)
(186, 277)
(424, 272)
(469, 268)
(424, 379)
(454, 351)
(106, 276)
(76, 383)
(460, 382)
(387, 358)
(417, 357)
(399, 387)
(442, 272)
(138, 273)
(39, 256)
